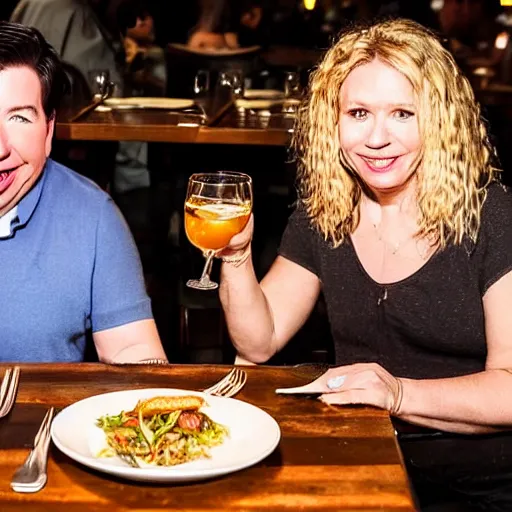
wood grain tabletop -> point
(224, 124)
(329, 458)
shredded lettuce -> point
(159, 440)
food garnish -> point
(162, 431)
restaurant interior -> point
(144, 154)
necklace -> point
(423, 246)
(394, 246)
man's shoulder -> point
(30, 12)
(72, 187)
(50, 3)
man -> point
(71, 269)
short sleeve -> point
(118, 291)
(299, 242)
(493, 250)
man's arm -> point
(129, 343)
(121, 318)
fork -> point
(230, 385)
(8, 390)
(31, 476)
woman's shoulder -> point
(496, 217)
(301, 219)
(499, 197)
(498, 203)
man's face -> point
(25, 134)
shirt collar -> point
(27, 205)
(6, 222)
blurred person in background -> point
(76, 29)
(145, 60)
(216, 25)
(470, 25)
(230, 24)
(254, 22)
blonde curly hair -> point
(457, 158)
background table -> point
(225, 126)
(328, 458)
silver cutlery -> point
(130, 459)
(230, 385)
(97, 100)
(8, 390)
(31, 476)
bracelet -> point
(398, 402)
(153, 361)
(237, 260)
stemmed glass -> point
(202, 82)
(99, 80)
(217, 207)
(292, 92)
(234, 79)
(292, 85)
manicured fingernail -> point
(336, 382)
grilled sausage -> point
(190, 421)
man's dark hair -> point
(25, 46)
(127, 13)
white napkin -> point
(317, 386)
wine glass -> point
(217, 207)
(292, 92)
(292, 85)
(99, 80)
(202, 82)
(234, 79)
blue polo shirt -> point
(70, 268)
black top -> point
(428, 325)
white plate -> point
(266, 94)
(264, 104)
(147, 102)
(254, 434)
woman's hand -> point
(362, 383)
(131, 49)
(231, 39)
(239, 248)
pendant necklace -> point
(395, 246)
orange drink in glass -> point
(218, 207)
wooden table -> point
(328, 458)
(232, 126)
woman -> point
(402, 225)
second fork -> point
(31, 476)
(230, 385)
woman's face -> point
(378, 127)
